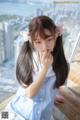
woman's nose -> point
(44, 46)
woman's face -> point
(47, 44)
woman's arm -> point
(33, 89)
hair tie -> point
(59, 30)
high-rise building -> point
(19, 42)
(1, 44)
(8, 40)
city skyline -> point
(63, 15)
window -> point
(14, 18)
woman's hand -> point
(59, 99)
(46, 59)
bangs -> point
(42, 33)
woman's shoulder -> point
(20, 91)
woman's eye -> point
(49, 39)
(38, 42)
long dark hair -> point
(24, 65)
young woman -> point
(41, 69)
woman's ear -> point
(30, 41)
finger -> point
(51, 58)
(46, 54)
(57, 103)
(59, 100)
(43, 57)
